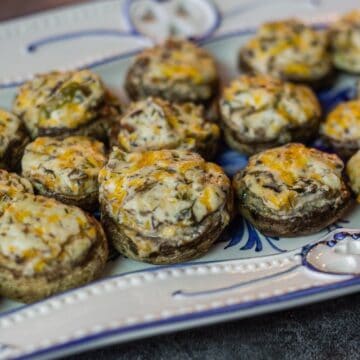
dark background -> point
(327, 330)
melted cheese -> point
(343, 123)
(261, 107)
(179, 60)
(59, 100)
(345, 36)
(177, 66)
(155, 124)
(353, 172)
(162, 193)
(288, 49)
(287, 177)
(12, 186)
(9, 127)
(68, 166)
(39, 234)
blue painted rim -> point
(196, 316)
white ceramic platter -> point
(245, 273)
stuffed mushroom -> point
(47, 247)
(177, 71)
(13, 139)
(353, 172)
(155, 124)
(66, 103)
(260, 112)
(66, 169)
(345, 42)
(289, 50)
(341, 128)
(292, 190)
(165, 206)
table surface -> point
(327, 330)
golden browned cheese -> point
(287, 177)
(288, 49)
(59, 100)
(166, 194)
(345, 42)
(343, 123)
(353, 172)
(12, 186)
(9, 127)
(155, 124)
(264, 108)
(39, 235)
(177, 70)
(69, 166)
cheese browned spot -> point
(345, 42)
(288, 49)
(59, 100)
(12, 186)
(262, 108)
(177, 70)
(69, 166)
(353, 172)
(155, 124)
(288, 177)
(343, 123)
(39, 235)
(165, 194)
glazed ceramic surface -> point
(245, 273)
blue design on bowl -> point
(231, 161)
(243, 231)
(330, 98)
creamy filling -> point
(289, 49)
(38, 235)
(154, 124)
(59, 100)
(288, 178)
(9, 126)
(70, 166)
(343, 123)
(263, 108)
(164, 194)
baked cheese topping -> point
(69, 166)
(9, 127)
(177, 68)
(59, 100)
(261, 107)
(287, 177)
(41, 235)
(345, 41)
(12, 186)
(288, 49)
(343, 123)
(164, 193)
(155, 124)
(178, 60)
(353, 172)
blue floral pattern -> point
(243, 234)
